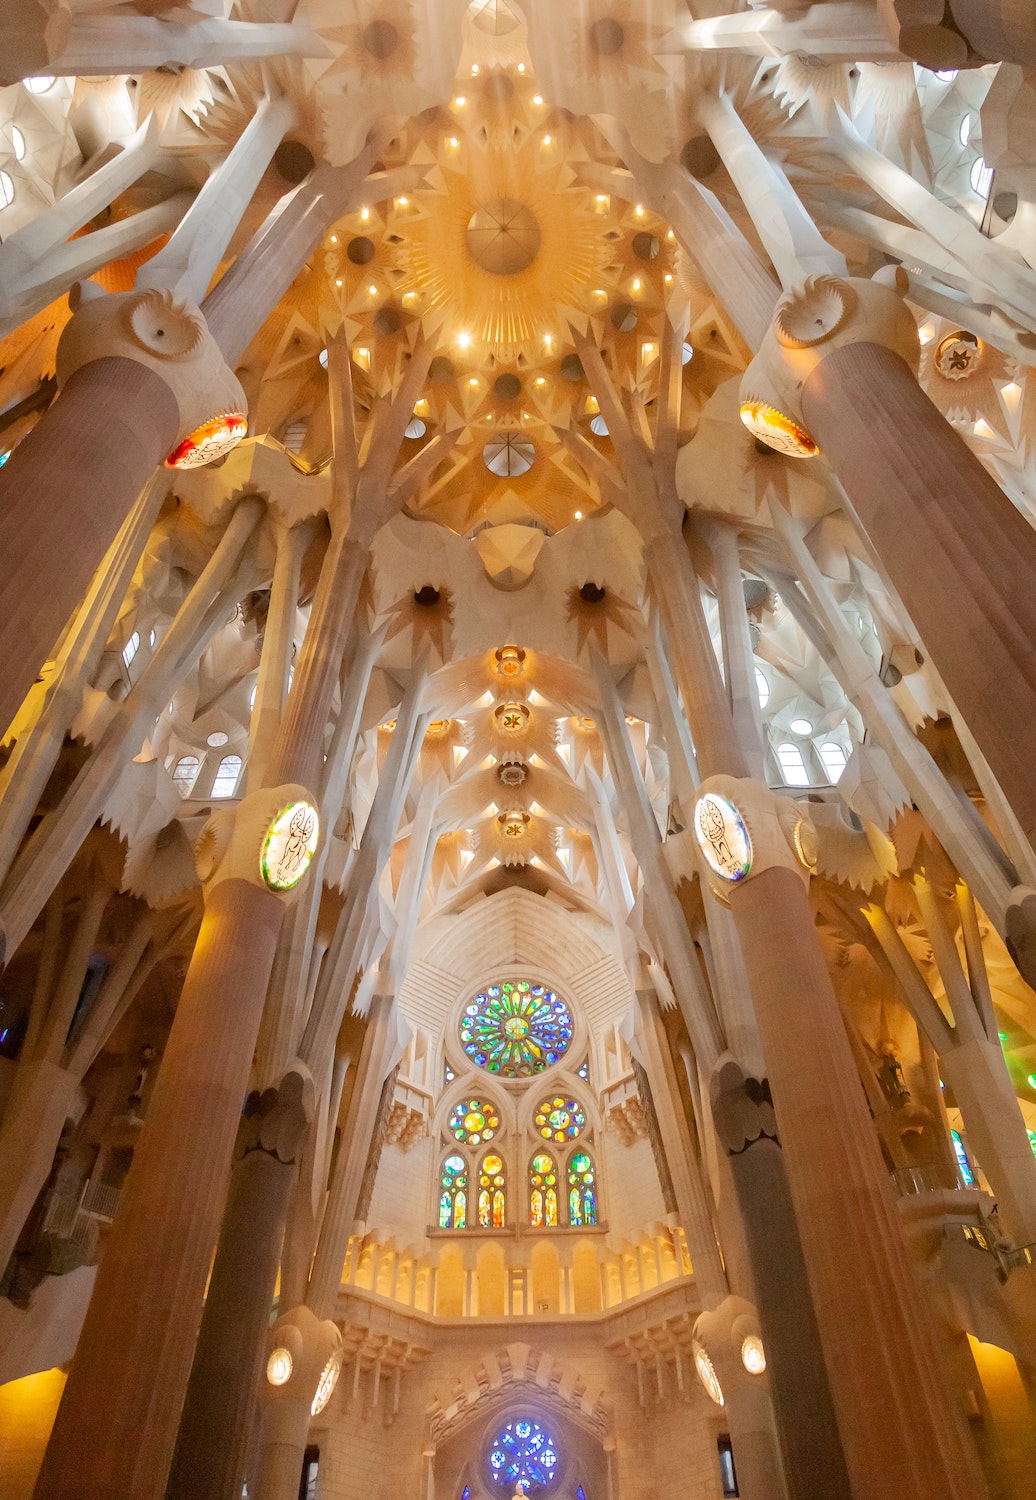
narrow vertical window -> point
(492, 1200)
(543, 1191)
(184, 773)
(224, 782)
(453, 1193)
(131, 648)
(582, 1193)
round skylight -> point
(801, 726)
(508, 455)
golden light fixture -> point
(510, 661)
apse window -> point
(524, 1455)
(793, 767)
(184, 773)
(833, 757)
(981, 177)
(727, 1474)
(224, 783)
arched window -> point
(492, 1201)
(762, 686)
(963, 1164)
(516, 1028)
(582, 1194)
(131, 648)
(224, 783)
(833, 756)
(543, 1191)
(523, 1455)
(184, 772)
(453, 1193)
(793, 767)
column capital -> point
(275, 1120)
(267, 840)
(811, 321)
(168, 335)
(730, 1337)
(742, 829)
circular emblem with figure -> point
(289, 846)
(722, 836)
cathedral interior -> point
(518, 761)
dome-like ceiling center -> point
(503, 237)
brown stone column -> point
(212, 1449)
(962, 558)
(803, 1410)
(116, 1425)
(64, 493)
(899, 1431)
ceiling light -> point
(372, 289)
(579, 515)
(338, 281)
(639, 210)
(753, 1356)
(334, 239)
(473, 380)
(464, 340)
(540, 380)
(547, 140)
(474, 70)
(636, 283)
(460, 101)
(521, 67)
(668, 277)
(537, 98)
(365, 214)
(453, 141)
(401, 203)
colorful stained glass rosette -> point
(523, 1453)
(213, 439)
(516, 1029)
(473, 1122)
(560, 1119)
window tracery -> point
(453, 1193)
(582, 1190)
(543, 1191)
(492, 1196)
(523, 1454)
(473, 1121)
(516, 1029)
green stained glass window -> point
(560, 1119)
(543, 1191)
(516, 1029)
(582, 1193)
(474, 1121)
(453, 1193)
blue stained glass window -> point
(516, 1029)
(523, 1454)
(465, 1493)
(582, 1195)
(962, 1159)
(453, 1193)
(579, 1493)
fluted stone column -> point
(212, 1449)
(743, 1116)
(132, 1364)
(837, 372)
(901, 1434)
(139, 372)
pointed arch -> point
(582, 1189)
(453, 1192)
(492, 1192)
(543, 1191)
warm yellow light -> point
(668, 277)
(547, 140)
(453, 141)
(579, 515)
(474, 380)
(670, 235)
(338, 281)
(537, 98)
(474, 70)
(334, 239)
(362, 357)
(279, 1366)
(521, 67)
(600, 292)
(926, 332)
(753, 1356)
(548, 339)
(365, 214)
(401, 202)
(540, 380)
(464, 339)
(373, 290)
(639, 210)
(636, 283)
(460, 101)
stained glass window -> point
(453, 1193)
(560, 1119)
(582, 1195)
(543, 1191)
(516, 1029)
(492, 1201)
(962, 1159)
(473, 1122)
(584, 1069)
(523, 1453)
